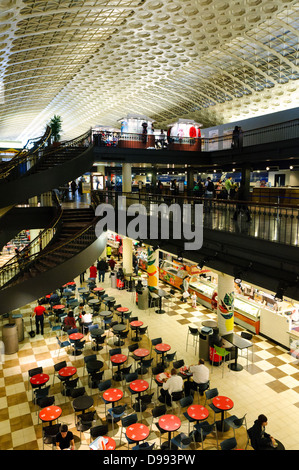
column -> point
(127, 178)
(245, 181)
(225, 306)
(46, 199)
(127, 255)
(153, 267)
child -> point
(194, 300)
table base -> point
(160, 311)
(76, 353)
(235, 367)
(221, 426)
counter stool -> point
(195, 333)
(222, 352)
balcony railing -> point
(271, 222)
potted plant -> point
(56, 124)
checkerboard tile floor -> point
(269, 384)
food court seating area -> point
(109, 383)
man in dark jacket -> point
(102, 267)
(241, 206)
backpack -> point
(210, 187)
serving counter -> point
(204, 291)
(172, 273)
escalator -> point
(72, 250)
(37, 171)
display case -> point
(247, 314)
(204, 291)
(142, 260)
(172, 273)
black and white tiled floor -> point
(268, 385)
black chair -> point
(228, 444)
(176, 397)
(156, 413)
(128, 421)
(85, 421)
(49, 434)
(32, 372)
(100, 430)
(78, 392)
(178, 364)
(57, 368)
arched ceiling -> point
(94, 61)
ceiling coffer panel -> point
(91, 61)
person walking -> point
(102, 267)
(93, 272)
(209, 193)
(39, 313)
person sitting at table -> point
(201, 376)
(174, 384)
(259, 439)
(86, 321)
(69, 321)
(65, 439)
(54, 299)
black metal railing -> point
(271, 222)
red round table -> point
(58, 307)
(110, 444)
(159, 378)
(118, 359)
(67, 371)
(162, 348)
(39, 379)
(113, 395)
(139, 386)
(223, 404)
(198, 412)
(50, 413)
(122, 310)
(76, 336)
(169, 423)
(137, 432)
(141, 353)
(136, 324)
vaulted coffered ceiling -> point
(94, 61)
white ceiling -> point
(94, 61)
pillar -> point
(127, 255)
(245, 181)
(127, 178)
(190, 181)
(46, 199)
(152, 267)
(225, 306)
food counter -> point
(172, 273)
(247, 313)
(204, 291)
(142, 260)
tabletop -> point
(198, 412)
(162, 347)
(67, 371)
(82, 403)
(113, 394)
(118, 358)
(137, 432)
(185, 371)
(50, 413)
(163, 375)
(109, 299)
(58, 307)
(136, 323)
(237, 341)
(161, 292)
(105, 313)
(110, 443)
(76, 336)
(169, 423)
(97, 332)
(93, 301)
(39, 379)
(223, 403)
(94, 365)
(122, 309)
(119, 327)
(139, 385)
(141, 352)
(83, 290)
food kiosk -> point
(173, 273)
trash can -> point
(18, 320)
(142, 299)
(10, 338)
(204, 343)
(113, 280)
